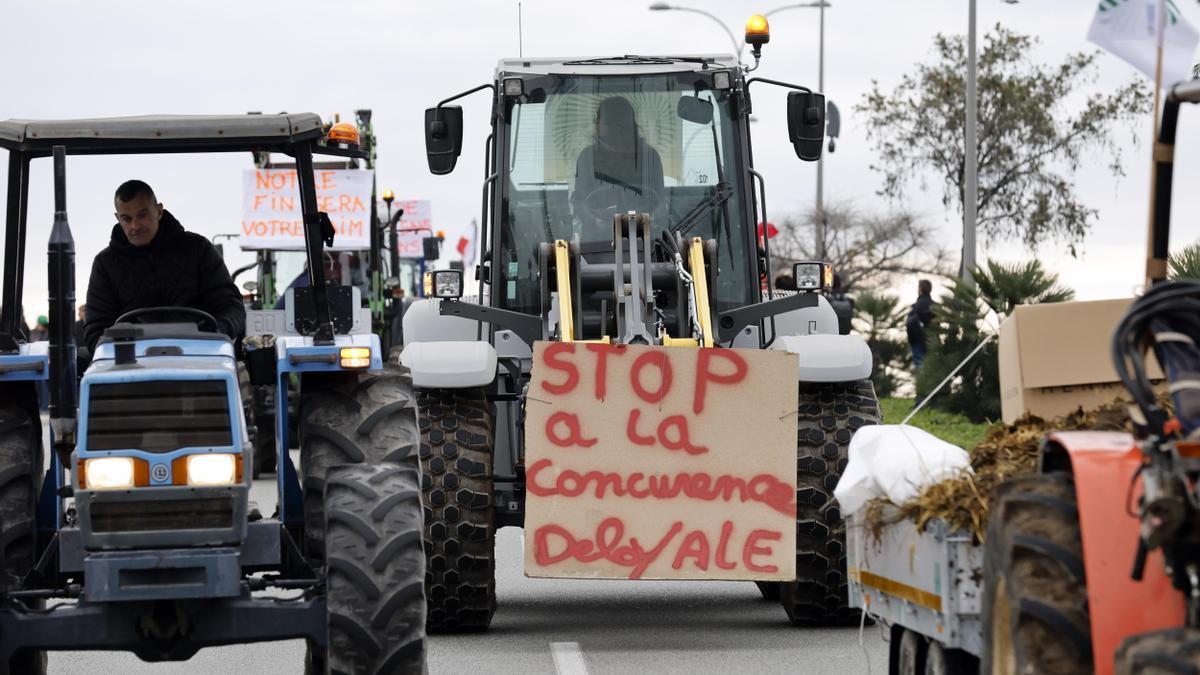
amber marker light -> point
(343, 132)
(758, 31)
(355, 357)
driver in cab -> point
(620, 172)
(151, 261)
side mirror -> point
(432, 247)
(695, 110)
(443, 137)
(806, 124)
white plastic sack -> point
(895, 461)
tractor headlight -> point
(109, 473)
(212, 469)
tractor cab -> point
(578, 149)
(631, 177)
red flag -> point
(466, 245)
(771, 230)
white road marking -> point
(568, 658)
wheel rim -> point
(908, 653)
(1003, 655)
(935, 659)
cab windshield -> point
(584, 148)
(342, 268)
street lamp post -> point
(820, 211)
(970, 151)
(970, 159)
(663, 6)
(393, 247)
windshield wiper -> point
(638, 60)
(723, 192)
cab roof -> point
(160, 133)
(628, 64)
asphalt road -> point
(560, 626)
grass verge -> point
(949, 427)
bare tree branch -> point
(867, 250)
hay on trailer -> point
(1005, 452)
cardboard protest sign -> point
(271, 214)
(413, 226)
(660, 463)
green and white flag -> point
(1129, 30)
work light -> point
(444, 284)
(813, 276)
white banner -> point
(271, 215)
(1128, 29)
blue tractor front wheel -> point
(352, 418)
(20, 468)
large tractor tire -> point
(261, 428)
(352, 418)
(20, 469)
(829, 414)
(262, 403)
(1165, 652)
(906, 652)
(1035, 608)
(376, 571)
(457, 436)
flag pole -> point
(1152, 264)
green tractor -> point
(368, 263)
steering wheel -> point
(608, 199)
(199, 316)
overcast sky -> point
(88, 59)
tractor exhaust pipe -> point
(62, 319)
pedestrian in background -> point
(40, 332)
(785, 282)
(842, 304)
(83, 356)
(80, 322)
(919, 316)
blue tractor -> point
(139, 529)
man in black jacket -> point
(919, 316)
(152, 262)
